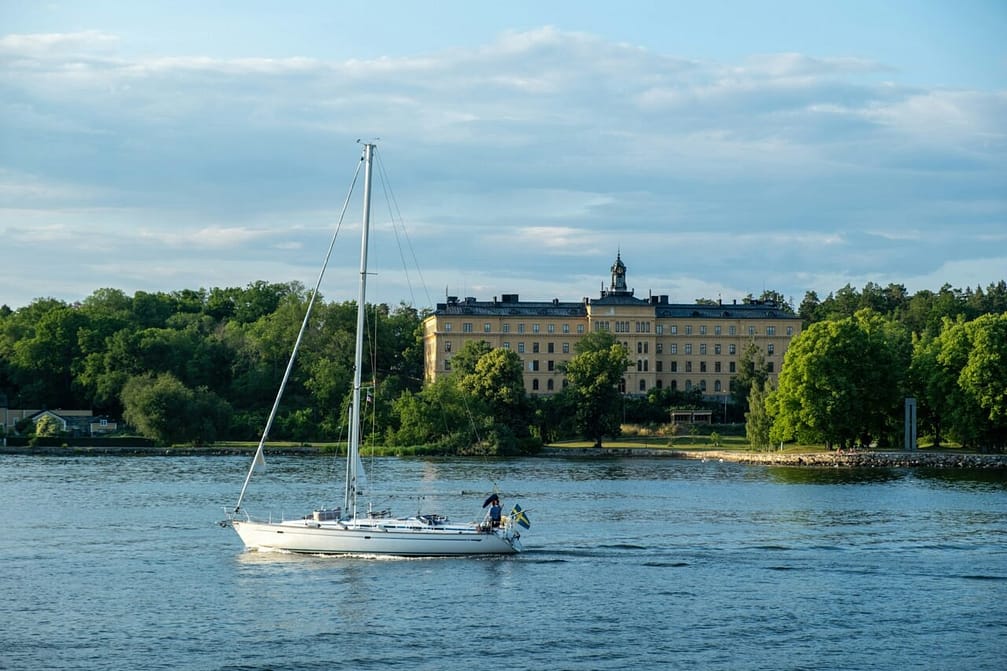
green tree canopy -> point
(594, 374)
(961, 378)
(165, 410)
(842, 383)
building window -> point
(534, 328)
(660, 366)
(447, 327)
(716, 330)
(688, 366)
(550, 347)
(770, 349)
(769, 366)
(688, 385)
(716, 348)
(790, 330)
(659, 348)
(702, 348)
(688, 330)
(674, 385)
(751, 330)
(674, 366)
(550, 365)
(486, 327)
(566, 348)
(551, 328)
(688, 348)
(447, 364)
(520, 328)
(702, 385)
(702, 366)
(520, 348)
(732, 367)
(580, 329)
(639, 347)
(643, 385)
(674, 329)
(506, 328)
(534, 365)
(702, 330)
(534, 385)
(506, 344)
(447, 345)
(467, 327)
(770, 330)
(674, 348)
(659, 329)
(549, 384)
(732, 330)
(716, 386)
(566, 328)
(716, 366)
(534, 348)
(732, 349)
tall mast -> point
(358, 357)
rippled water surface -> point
(118, 563)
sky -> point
(722, 148)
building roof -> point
(662, 309)
(617, 294)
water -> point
(118, 563)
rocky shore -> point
(856, 459)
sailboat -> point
(348, 530)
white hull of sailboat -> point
(378, 537)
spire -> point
(618, 285)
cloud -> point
(56, 45)
(527, 160)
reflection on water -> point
(834, 476)
(980, 480)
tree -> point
(440, 415)
(498, 381)
(810, 309)
(757, 421)
(165, 410)
(984, 376)
(594, 374)
(843, 382)
(752, 372)
(45, 361)
(47, 426)
(963, 374)
(464, 362)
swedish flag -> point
(520, 517)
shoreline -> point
(855, 459)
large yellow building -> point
(677, 346)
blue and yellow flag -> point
(520, 517)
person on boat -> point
(496, 510)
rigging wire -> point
(395, 215)
(259, 458)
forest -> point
(198, 366)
